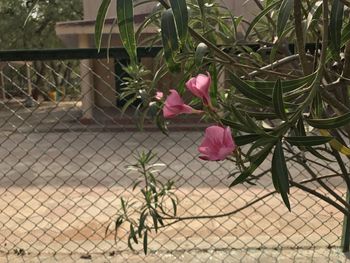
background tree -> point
(30, 24)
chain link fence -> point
(61, 175)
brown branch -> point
(292, 183)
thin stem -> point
(298, 20)
(275, 64)
(321, 196)
(292, 183)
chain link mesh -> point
(61, 179)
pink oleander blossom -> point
(199, 87)
(159, 95)
(217, 144)
(174, 105)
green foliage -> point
(288, 106)
(158, 201)
(31, 24)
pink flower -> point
(217, 144)
(174, 106)
(199, 86)
(159, 95)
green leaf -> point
(31, 10)
(201, 6)
(213, 92)
(280, 174)
(330, 123)
(100, 21)
(277, 100)
(143, 217)
(345, 36)
(261, 115)
(125, 15)
(259, 158)
(250, 91)
(133, 234)
(246, 139)
(179, 8)
(118, 223)
(173, 202)
(260, 16)
(201, 51)
(267, 86)
(313, 15)
(283, 16)
(335, 27)
(235, 125)
(169, 39)
(145, 242)
(263, 141)
(308, 140)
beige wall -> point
(105, 86)
(91, 8)
(104, 83)
(238, 7)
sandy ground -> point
(59, 191)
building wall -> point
(104, 83)
(91, 8)
(238, 7)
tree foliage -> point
(28, 24)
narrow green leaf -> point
(308, 140)
(201, 51)
(31, 10)
(301, 127)
(345, 36)
(250, 91)
(335, 27)
(129, 244)
(169, 39)
(283, 16)
(277, 100)
(261, 115)
(179, 8)
(143, 217)
(201, 6)
(125, 15)
(330, 123)
(213, 92)
(313, 15)
(235, 125)
(145, 242)
(173, 202)
(260, 16)
(155, 221)
(100, 21)
(246, 139)
(267, 86)
(118, 223)
(133, 234)
(280, 174)
(260, 157)
(262, 142)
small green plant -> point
(144, 215)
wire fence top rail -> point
(113, 52)
(75, 53)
